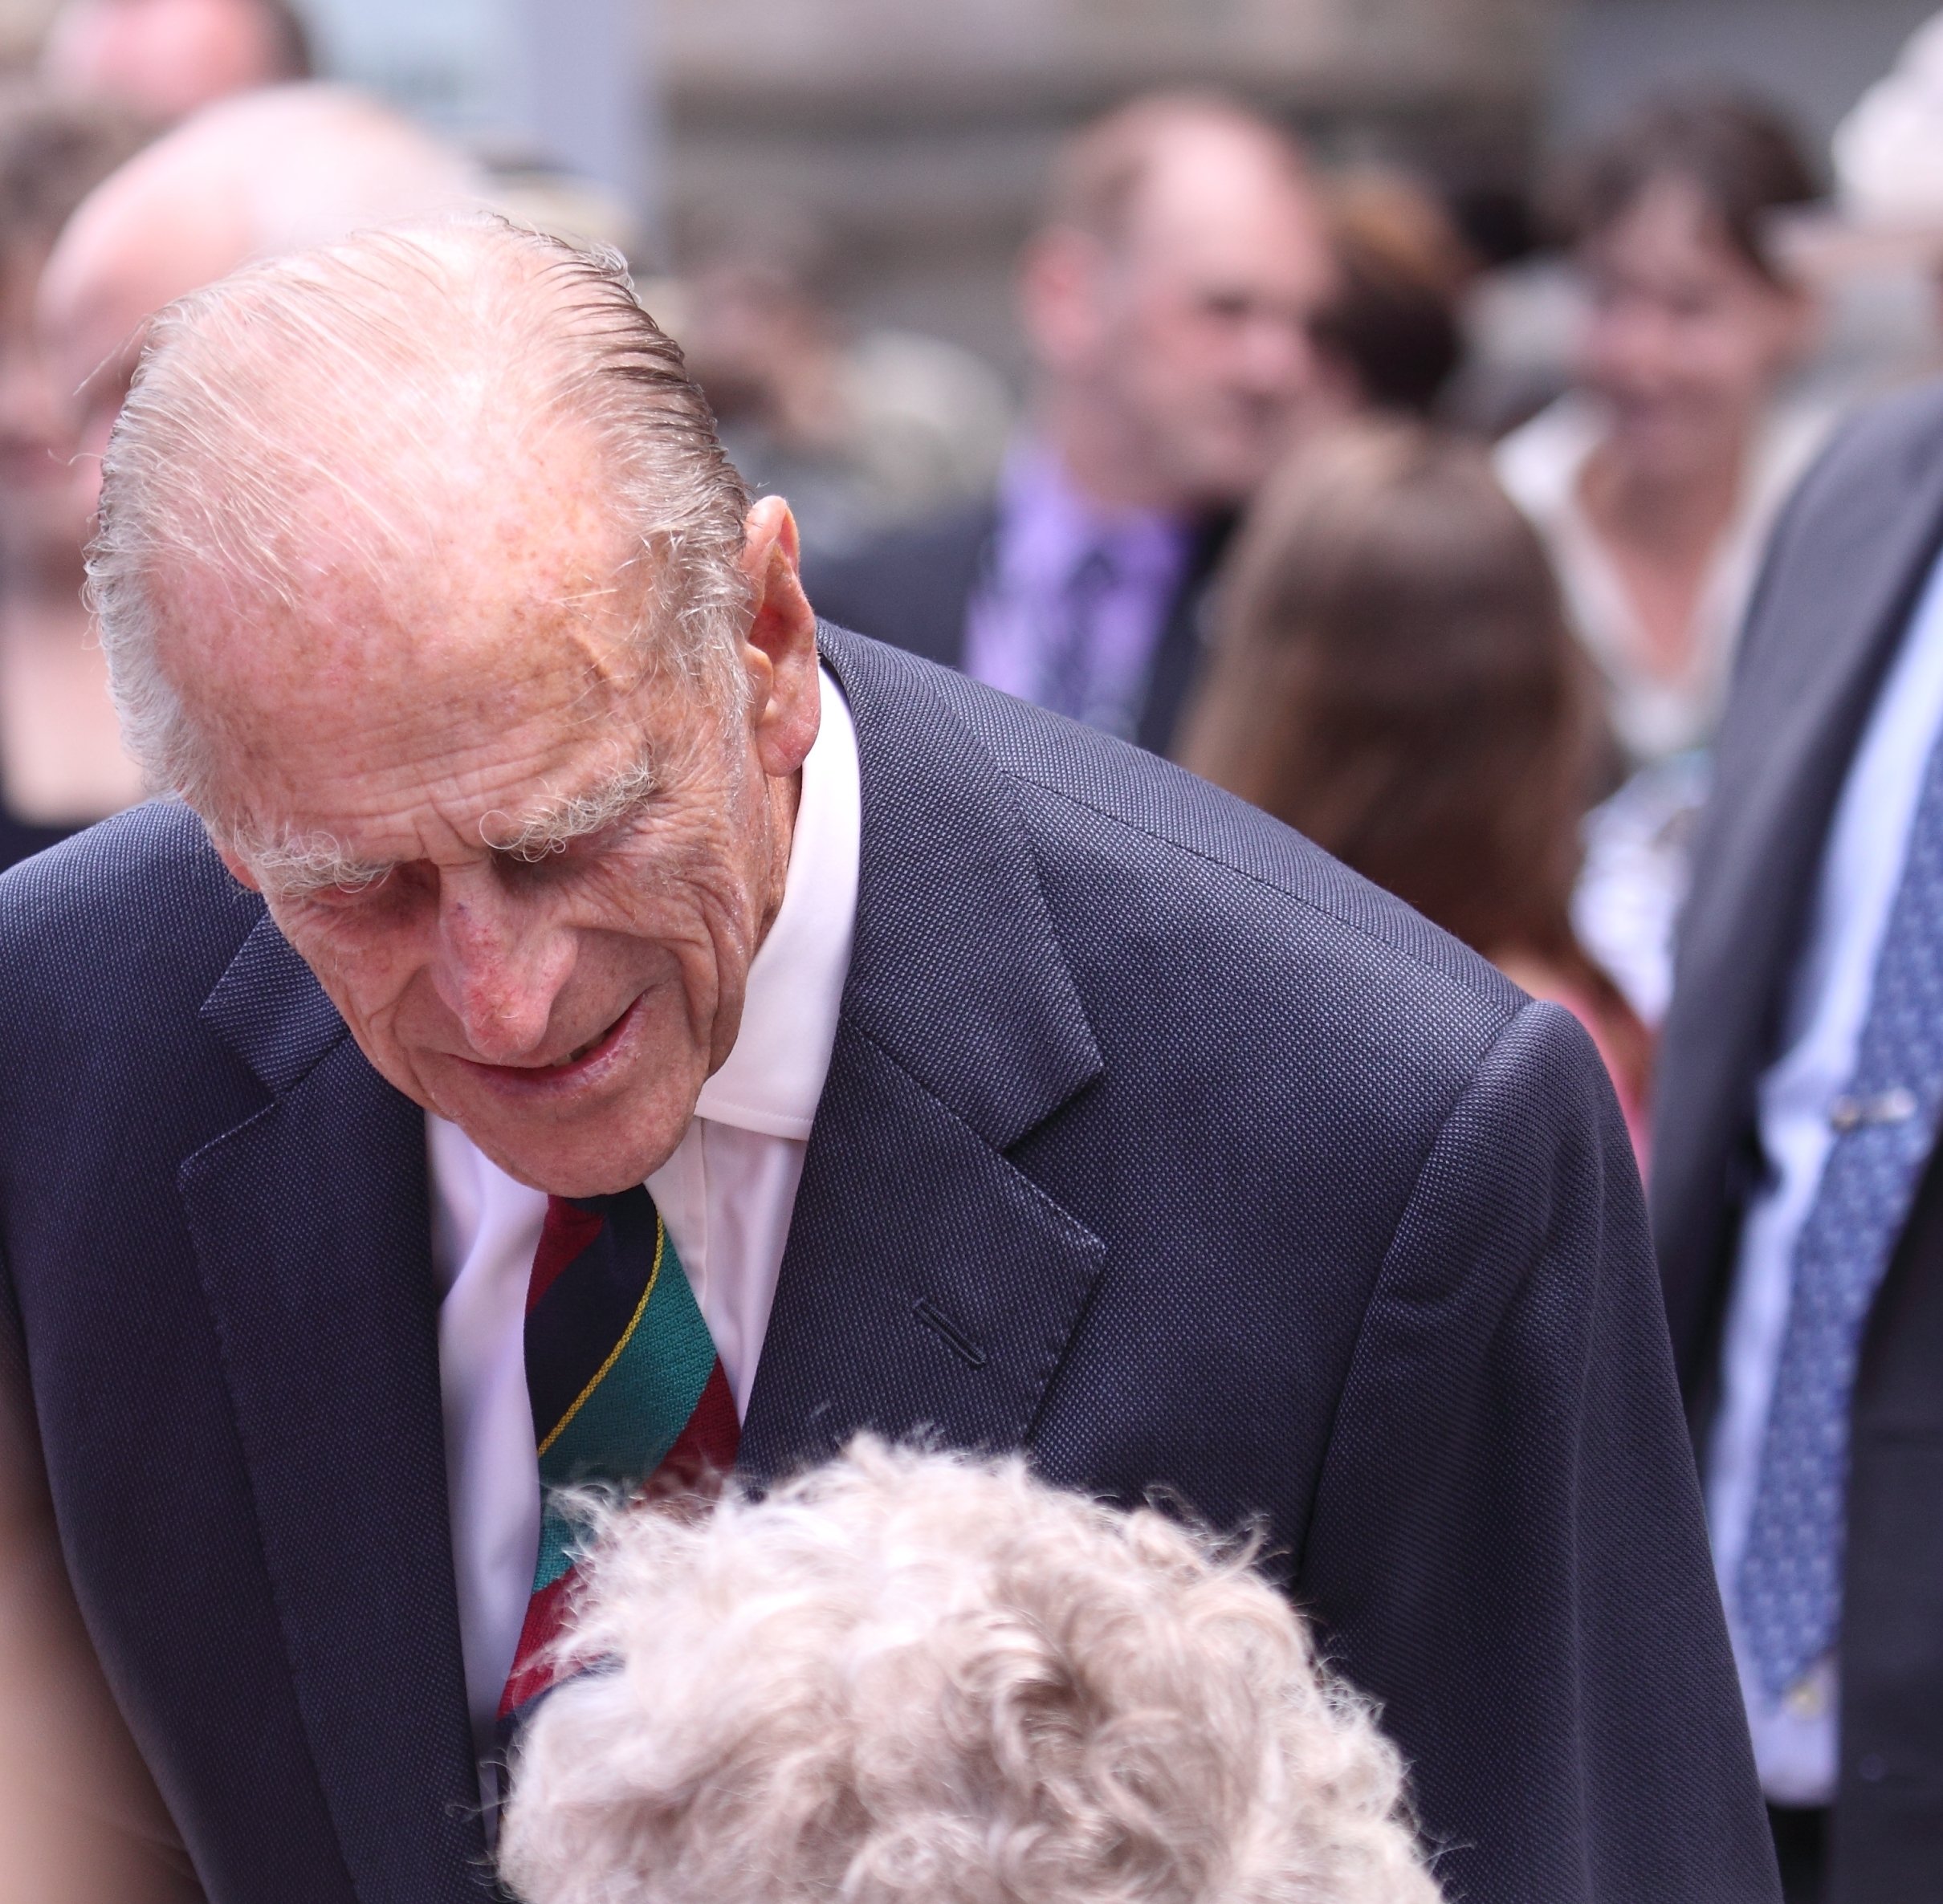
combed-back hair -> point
(913, 1677)
(313, 403)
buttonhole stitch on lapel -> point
(960, 1343)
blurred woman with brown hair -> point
(1394, 678)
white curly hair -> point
(913, 1677)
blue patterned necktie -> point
(1066, 682)
(1885, 1123)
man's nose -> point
(500, 967)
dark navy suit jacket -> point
(1154, 1142)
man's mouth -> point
(583, 1058)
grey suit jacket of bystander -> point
(1850, 556)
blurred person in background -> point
(1393, 677)
(921, 1679)
(249, 178)
(61, 760)
(1168, 299)
(1391, 334)
(1797, 1194)
(1654, 482)
(862, 429)
(166, 58)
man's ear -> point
(780, 649)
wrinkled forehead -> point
(507, 643)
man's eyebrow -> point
(560, 819)
(296, 868)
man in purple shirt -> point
(1167, 297)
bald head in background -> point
(166, 58)
(250, 179)
(1168, 298)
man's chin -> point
(591, 1150)
(589, 1168)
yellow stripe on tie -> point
(627, 1336)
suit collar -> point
(929, 1285)
(311, 1232)
(955, 971)
(1787, 753)
(270, 1011)
(1825, 624)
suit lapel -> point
(929, 1285)
(313, 1233)
(1783, 754)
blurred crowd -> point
(1423, 518)
(1434, 545)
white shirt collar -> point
(773, 1079)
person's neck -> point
(1686, 511)
(1100, 454)
(61, 761)
(785, 801)
(1661, 533)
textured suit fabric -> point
(913, 588)
(1851, 552)
(1154, 1142)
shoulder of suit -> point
(1084, 794)
(1897, 438)
(135, 915)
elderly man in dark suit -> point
(1168, 298)
(1796, 1197)
(588, 1021)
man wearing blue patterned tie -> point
(1798, 1202)
(587, 1019)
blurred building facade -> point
(914, 133)
(919, 133)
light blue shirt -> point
(1795, 1738)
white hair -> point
(919, 1678)
(317, 399)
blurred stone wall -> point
(916, 133)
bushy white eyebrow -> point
(559, 819)
(297, 867)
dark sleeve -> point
(1507, 1548)
(80, 1820)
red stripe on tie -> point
(568, 1230)
(705, 1450)
(534, 1667)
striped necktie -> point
(1885, 1128)
(627, 1388)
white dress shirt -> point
(1795, 1738)
(725, 1195)
(1542, 466)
